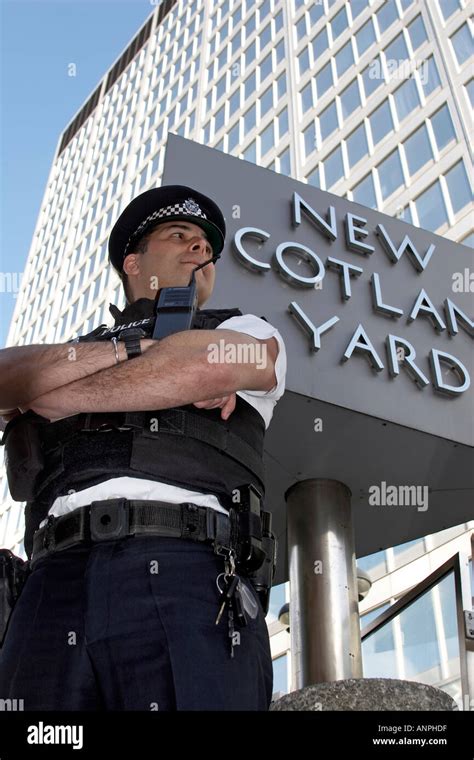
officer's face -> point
(174, 250)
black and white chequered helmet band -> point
(188, 208)
(157, 205)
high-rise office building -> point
(369, 99)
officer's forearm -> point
(163, 377)
(27, 372)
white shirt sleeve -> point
(263, 401)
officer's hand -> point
(226, 403)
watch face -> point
(132, 332)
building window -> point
(236, 42)
(278, 21)
(280, 51)
(364, 192)
(417, 33)
(381, 122)
(206, 133)
(365, 37)
(429, 76)
(284, 162)
(357, 6)
(250, 119)
(406, 99)
(265, 36)
(306, 95)
(390, 174)
(378, 650)
(333, 167)
(324, 79)
(316, 11)
(314, 178)
(386, 15)
(339, 23)
(443, 127)
(267, 139)
(236, 16)
(309, 136)
(280, 674)
(282, 123)
(301, 28)
(320, 43)
(250, 153)
(357, 146)
(462, 44)
(419, 635)
(372, 76)
(303, 61)
(266, 67)
(234, 102)
(221, 87)
(418, 149)
(233, 137)
(266, 101)
(448, 7)
(328, 120)
(431, 209)
(458, 186)
(264, 10)
(250, 85)
(281, 84)
(405, 214)
(249, 26)
(344, 59)
(397, 50)
(219, 119)
(350, 98)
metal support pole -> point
(324, 614)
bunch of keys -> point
(232, 599)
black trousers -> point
(130, 625)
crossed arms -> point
(63, 379)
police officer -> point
(130, 453)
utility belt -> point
(244, 534)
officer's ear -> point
(131, 264)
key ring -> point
(221, 575)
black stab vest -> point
(183, 446)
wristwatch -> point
(131, 337)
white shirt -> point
(139, 488)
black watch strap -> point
(131, 338)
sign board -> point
(376, 315)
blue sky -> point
(39, 39)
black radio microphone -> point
(175, 307)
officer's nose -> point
(199, 245)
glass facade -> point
(420, 643)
